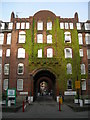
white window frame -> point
(20, 65)
(21, 53)
(5, 84)
(78, 26)
(27, 25)
(69, 68)
(87, 38)
(6, 69)
(39, 38)
(71, 25)
(10, 26)
(22, 37)
(40, 25)
(8, 53)
(2, 26)
(87, 26)
(0, 52)
(22, 25)
(49, 38)
(49, 52)
(67, 37)
(40, 53)
(0, 69)
(65, 50)
(66, 26)
(81, 52)
(8, 38)
(20, 88)
(62, 25)
(1, 38)
(49, 25)
(83, 84)
(88, 53)
(80, 39)
(83, 71)
(17, 25)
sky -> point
(25, 9)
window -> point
(67, 37)
(82, 68)
(62, 25)
(66, 26)
(81, 52)
(6, 69)
(69, 84)
(87, 38)
(49, 52)
(49, 25)
(0, 68)
(88, 53)
(21, 53)
(88, 68)
(22, 37)
(20, 84)
(1, 38)
(39, 38)
(78, 26)
(10, 26)
(40, 53)
(40, 26)
(0, 52)
(2, 25)
(84, 84)
(49, 38)
(68, 53)
(27, 25)
(9, 38)
(87, 26)
(17, 25)
(22, 25)
(5, 84)
(69, 68)
(71, 25)
(20, 68)
(80, 39)
(8, 53)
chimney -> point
(12, 16)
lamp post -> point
(31, 78)
(78, 91)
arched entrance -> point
(44, 84)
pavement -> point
(46, 107)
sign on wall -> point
(77, 84)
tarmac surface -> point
(46, 107)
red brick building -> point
(15, 59)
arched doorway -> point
(44, 82)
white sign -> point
(11, 92)
(70, 93)
(23, 93)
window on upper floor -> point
(9, 38)
(17, 25)
(10, 26)
(87, 38)
(2, 26)
(40, 26)
(88, 53)
(78, 26)
(62, 25)
(49, 52)
(6, 69)
(39, 38)
(71, 25)
(5, 84)
(1, 38)
(20, 84)
(40, 53)
(68, 52)
(83, 69)
(87, 26)
(49, 25)
(66, 26)
(69, 84)
(0, 52)
(20, 69)
(22, 37)
(0, 69)
(81, 52)
(67, 37)
(22, 25)
(83, 84)
(69, 68)
(8, 53)
(21, 53)
(27, 25)
(80, 39)
(88, 68)
(49, 38)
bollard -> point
(59, 105)
(23, 106)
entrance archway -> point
(44, 83)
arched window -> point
(69, 84)
(40, 25)
(80, 39)
(21, 53)
(9, 38)
(67, 37)
(20, 69)
(49, 52)
(68, 52)
(1, 38)
(39, 38)
(83, 69)
(22, 36)
(69, 68)
(49, 38)
(49, 25)
(87, 38)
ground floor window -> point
(69, 84)
(20, 84)
(5, 84)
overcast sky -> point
(25, 9)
